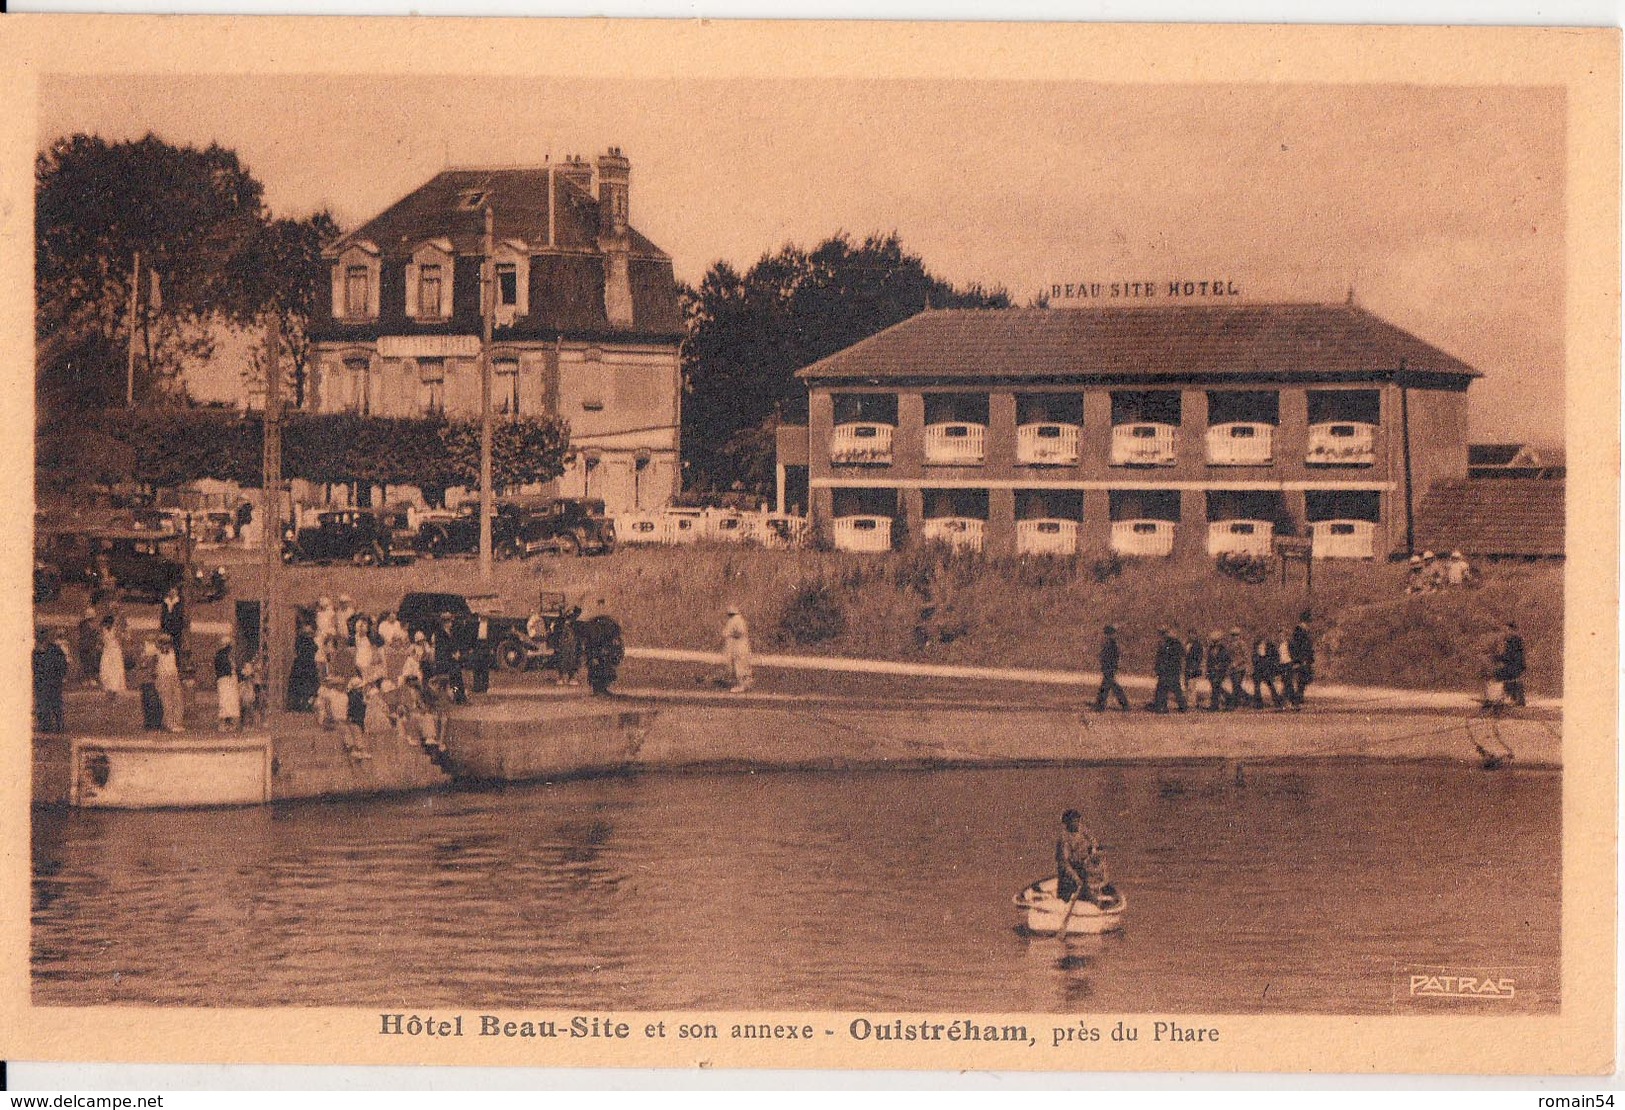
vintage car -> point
(522, 528)
(365, 537)
(141, 562)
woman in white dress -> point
(112, 664)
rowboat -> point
(1045, 911)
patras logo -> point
(1462, 986)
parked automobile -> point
(141, 562)
(481, 638)
(365, 537)
(522, 528)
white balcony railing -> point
(1046, 536)
(1240, 444)
(962, 533)
(1143, 537)
(1342, 443)
(1343, 539)
(1240, 537)
(1047, 444)
(1144, 445)
(954, 444)
(863, 533)
(860, 444)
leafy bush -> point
(814, 616)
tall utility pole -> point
(488, 311)
(274, 638)
(129, 360)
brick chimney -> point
(576, 170)
(614, 187)
(614, 239)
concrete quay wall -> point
(529, 739)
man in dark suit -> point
(1170, 667)
(1300, 650)
(1111, 655)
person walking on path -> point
(1111, 657)
(1510, 664)
(1301, 648)
(171, 695)
(112, 658)
(1217, 665)
(227, 690)
(50, 676)
(1170, 669)
(146, 675)
(1267, 672)
(736, 650)
(1194, 659)
(88, 645)
(1237, 649)
(172, 622)
(305, 678)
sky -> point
(1441, 209)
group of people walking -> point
(1214, 673)
(1429, 573)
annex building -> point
(1177, 431)
(587, 321)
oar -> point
(1060, 931)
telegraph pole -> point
(488, 311)
(273, 636)
(129, 360)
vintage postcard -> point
(1024, 547)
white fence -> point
(955, 444)
(1240, 537)
(863, 533)
(1046, 536)
(1343, 539)
(1047, 444)
(860, 443)
(1343, 443)
(1240, 444)
(1144, 445)
(1143, 537)
(962, 533)
(684, 526)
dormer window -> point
(429, 291)
(471, 199)
(512, 281)
(429, 281)
(355, 282)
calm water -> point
(1299, 891)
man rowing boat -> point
(1079, 866)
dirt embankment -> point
(928, 607)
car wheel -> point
(366, 557)
(568, 545)
(511, 655)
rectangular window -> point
(507, 284)
(432, 386)
(505, 383)
(429, 291)
(355, 291)
(359, 371)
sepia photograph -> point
(568, 560)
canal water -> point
(1304, 888)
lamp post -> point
(488, 312)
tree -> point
(749, 333)
(190, 213)
(287, 275)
